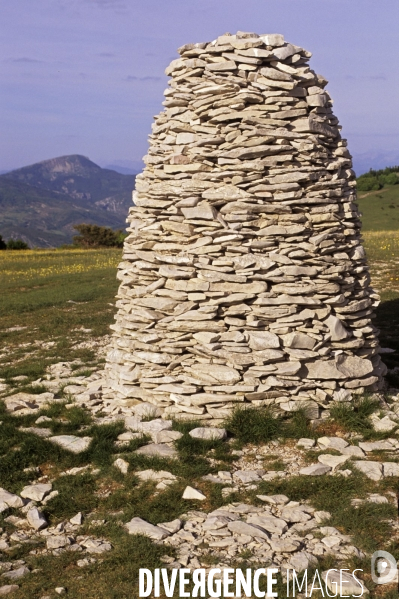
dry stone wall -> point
(243, 277)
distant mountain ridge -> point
(40, 203)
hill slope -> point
(44, 218)
(41, 203)
(380, 209)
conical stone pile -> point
(243, 276)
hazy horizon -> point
(86, 77)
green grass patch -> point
(355, 416)
(380, 209)
(261, 425)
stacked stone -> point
(243, 276)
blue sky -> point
(87, 76)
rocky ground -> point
(317, 495)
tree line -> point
(375, 180)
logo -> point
(383, 567)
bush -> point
(93, 236)
(391, 179)
(3, 245)
(374, 180)
(368, 184)
(17, 244)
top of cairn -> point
(243, 277)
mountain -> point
(41, 203)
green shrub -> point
(3, 245)
(17, 244)
(93, 236)
(368, 184)
(253, 425)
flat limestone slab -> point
(71, 443)
(332, 460)
(36, 492)
(10, 499)
(137, 526)
(372, 470)
(315, 470)
(343, 583)
(208, 434)
(160, 450)
(191, 493)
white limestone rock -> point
(334, 461)
(208, 434)
(10, 499)
(191, 493)
(160, 450)
(137, 526)
(315, 470)
(343, 583)
(36, 492)
(372, 470)
(72, 443)
(36, 519)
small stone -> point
(295, 514)
(166, 436)
(16, 574)
(372, 470)
(36, 519)
(57, 541)
(274, 499)
(332, 443)
(208, 434)
(376, 498)
(376, 446)
(160, 450)
(343, 583)
(96, 546)
(332, 460)
(39, 432)
(242, 528)
(172, 527)
(147, 428)
(6, 589)
(121, 465)
(81, 563)
(269, 523)
(160, 475)
(352, 451)
(321, 515)
(137, 526)
(77, 520)
(10, 499)
(36, 492)
(72, 443)
(191, 493)
(315, 470)
(246, 476)
(391, 469)
(332, 541)
(147, 410)
(60, 590)
(384, 425)
(306, 443)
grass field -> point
(49, 296)
(380, 209)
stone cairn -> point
(243, 278)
